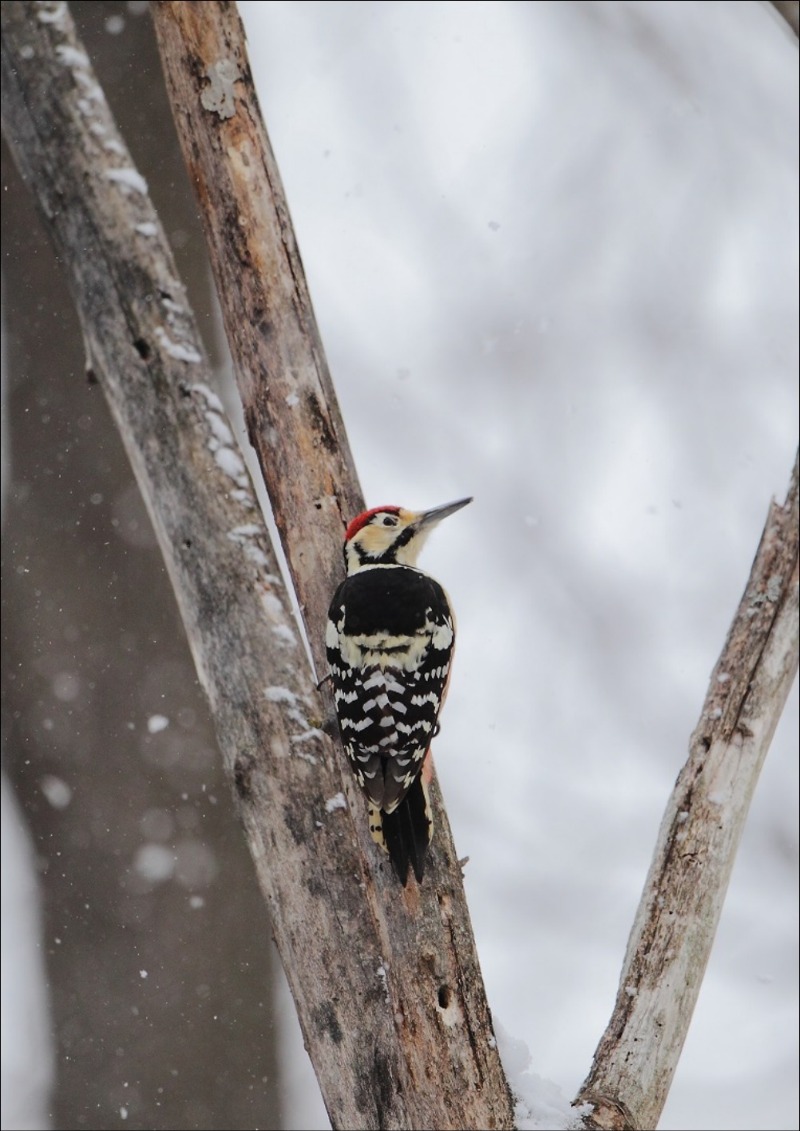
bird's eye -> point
(389, 520)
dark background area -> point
(158, 949)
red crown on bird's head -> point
(363, 518)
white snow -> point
(243, 535)
(256, 555)
(280, 695)
(181, 351)
(220, 428)
(52, 15)
(539, 1105)
(211, 398)
(147, 229)
(56, 790)
(247, 530)
(336, 802)
(128, 179)
(227, 457)
(155, 863)
(219, 96)
(231, 463)
(156, 723)
(295, 710)
(382, 976)
(284, 634)
(71, 57)
(91, 91)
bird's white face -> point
(391, 535)
(381, 530)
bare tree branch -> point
(386, 980)
(682, 901)
(143, 346)
(790, 10)
(290, 407)
(441, 1054)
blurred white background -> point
(553, 253)
(552, 249)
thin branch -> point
(790, 10)
(680, 908)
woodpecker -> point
(389, 641)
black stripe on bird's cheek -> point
(403, 538)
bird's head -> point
(391, 535)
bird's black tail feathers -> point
(407, 832)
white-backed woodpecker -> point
(390, 640)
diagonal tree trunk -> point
(682, 901)
(140, 860)
(387, 983)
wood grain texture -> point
(387, 982)
(290, 407)
(682, 901)
(436, 1064)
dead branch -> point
(682, 901)
(387, 983)
(790, 10)
(439, 1061)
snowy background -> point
(552, 249)
(553, 253)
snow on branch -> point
(386, 981)
(425, 1053)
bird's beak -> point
(430, 518)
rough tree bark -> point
(387, 982)
(682, 901)
(677, 917)
(85, 594)
(232, 167)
